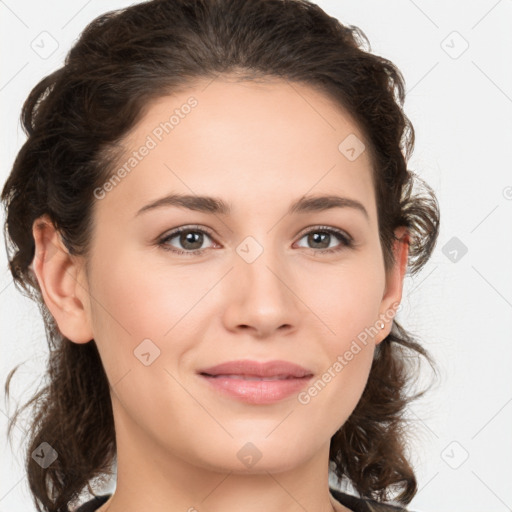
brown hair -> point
(74, 119)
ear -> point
(394, 283)
(60, 277)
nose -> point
(260, 295)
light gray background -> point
(460, 102)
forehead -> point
(244, 141)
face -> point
(255, 280)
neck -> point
(153, 479)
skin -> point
(258, 146)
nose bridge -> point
(260, 263)
(261, 295)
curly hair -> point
(74, 119)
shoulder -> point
(93, 504)
(365, 504)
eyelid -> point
(319, 227)
(162, 240)
(349, 242)
(211, 233)
(188, 227)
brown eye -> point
(190, 238)
(320, 238)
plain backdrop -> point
(456, 60)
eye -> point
(322, 235)
(191, 239)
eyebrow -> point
(215, 205)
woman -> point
(214, 213)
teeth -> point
(246, 377)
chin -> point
(253, 455)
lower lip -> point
(257, 391)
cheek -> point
(348, 350)
(132, 304)
(346, 308)
(345, 297)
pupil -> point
(316, 236)
(189, 238)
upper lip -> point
(257, 369)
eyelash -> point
(346, 242)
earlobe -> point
(394, 283)
(57, 273)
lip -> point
(257, 369)
(247, 380)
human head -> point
(121, 65)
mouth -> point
(256, 383)
(252, 377)
(276, 369)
